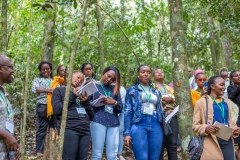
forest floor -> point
(30, 141)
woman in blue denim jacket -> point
(143, 117)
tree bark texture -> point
(49, 32)
(22, 138)
(227, 50)
(4, 27)
(69, 79)
(100, 36)
(218, 59)
(179, 72)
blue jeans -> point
(147, 138)
(100, 134)
(121, 128)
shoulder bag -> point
(195, 146)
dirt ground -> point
(30, 142)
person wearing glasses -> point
(9, 147)
(233, 91)
(41, 87)
(105, 124)
(196, 94)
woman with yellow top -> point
(168, 101)
(200, 78)
(58, 81)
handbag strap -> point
(206, 110)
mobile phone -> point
(205, 85)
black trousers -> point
(75, 146)
(43, 123)
(170, 142)
(227, 148)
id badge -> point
(147, 110)
(81, 111)
(109, 109)
(10, 126)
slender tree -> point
(22, 140)
(49, 31)
(179, 72)
(100, 36)
(4, 26)
(69, 78)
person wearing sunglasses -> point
(196, 94)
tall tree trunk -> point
(49, 32)
(100, 36)
(22, 138)
(179, 72)
(227, 50)
(218, 60)
(4, 27)
(69, 79)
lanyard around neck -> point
(106, 93)
(221, 107)
(199, 90)
(8, 107)
(148, 95)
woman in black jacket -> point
(80, 113)
(234, 94)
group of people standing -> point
(220, 100)
(134, 116)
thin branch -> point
(123, 33)
(10, 34)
